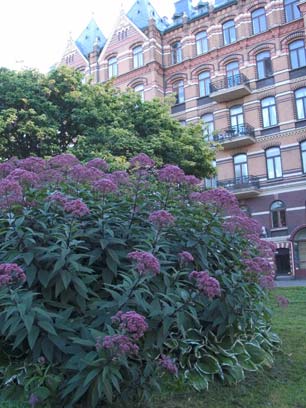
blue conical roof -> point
(90, 37)
(141, 12)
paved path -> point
(288, 282)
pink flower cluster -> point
(131, 323)
(11, 273)
(192, 180)
(185, 257)
(168, 364)
(220, 197)
(63, 161)
(171, 174)
(118, 343)
(84, 174)
(161, 218)
(258, 265)
(206, 284)
(10, 192)
(58, 197)
(267, 281)
(105, 186)
(98, 164)
(243, 223)
(34, 164)
(76, 208)
(24, 177)
(141, 161)
(145, 262)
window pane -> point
(275, 219)
(265, 117)
(278, 167)
(273, 151)
(270, 167)
(240, 158)
(282, 216)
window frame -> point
(297, 53)
(276, 161)
(138, 60)
(179, 91)
(204, 84)
(280, 221)
(303, 98)
(289, 10)
(261, 66)
(270, 116)
(243, 168)
(229, 33)
(259, 19)
(201, 43)
(176, 53)
(210, 126)
(303, 155)
(139, 91)
(112, 73)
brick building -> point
(240, 66)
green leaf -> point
(47, 326)
(32, 337)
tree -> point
(47, 114)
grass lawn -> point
(283, 386)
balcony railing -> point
(236, 136)
(230, 87)
(242, 187)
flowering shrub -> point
(108, 281)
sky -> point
(34, 33)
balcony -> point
(242, 187)
(236, 136)
(230, 88)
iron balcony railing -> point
(228, 82)
(234, 131)
(240, 182)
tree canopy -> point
(44, 115)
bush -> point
(129, 276)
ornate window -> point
(292, 11)
(229, 32)
(233, 74)
(300, 101)
(201, 43)
(137, 56)
(112, 67)
(140, 90)
(268, 111)
(236, 118)
(204, 84)
(297, 54)
(259, 21)
(241, 168)
(264, 65)
(178, 89)
(274, 163)
(303, 155)
(176, 53)
(208, 126)
(278, 214)
(300, 249)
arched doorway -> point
(299, 248)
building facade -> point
(240, 67)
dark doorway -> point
(282, 262)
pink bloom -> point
(219, 197)
(76, 208)
(161, 218)
(105, 186)
(141, 161)
(33, 400)
(34, 164)
(145, 262)
(206, 284)
(192, 180)
(132, 323)
(58, 197)
(282, 301)
(258, 265)
(10, 192)
(51, 176)
(6, 168)
(267, 281)
(185, 257)
(120, 177)
(63, 161)
(98, 164)
(243, 223)
(24, 177)
(171, 174)
(11, 273)
(83, 174)
(118, 343)
(168, 364)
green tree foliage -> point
(47, 114)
